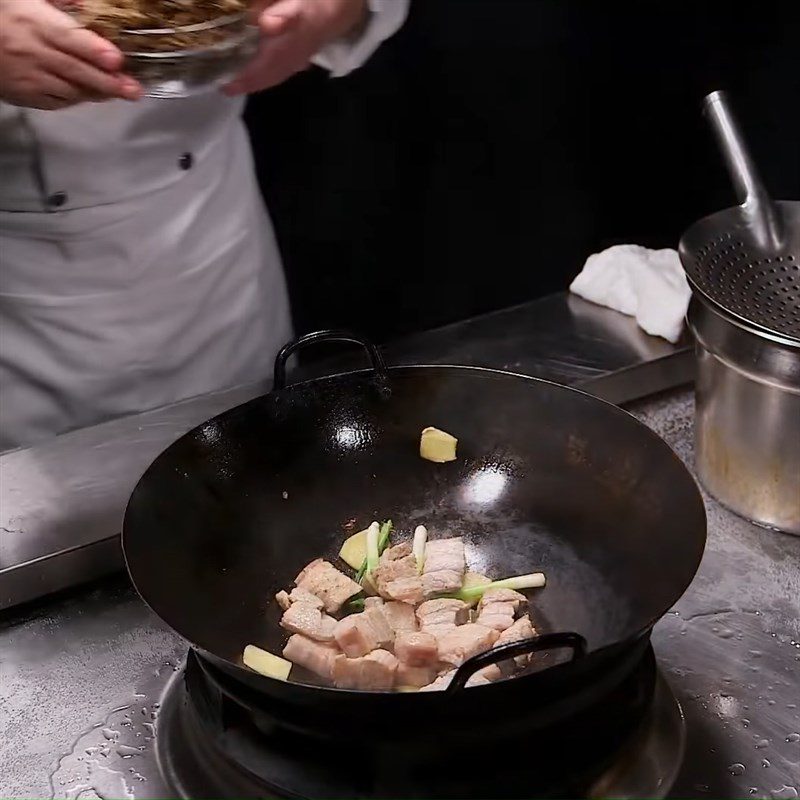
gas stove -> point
(212, 744)
(197, 741)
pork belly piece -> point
(443, 681)
(317, 657)
(444, 566)
(373, 672)
(443, 611)
(298, 595)
(404, 590)
(310, 621)
(417, 649)
(400, 616)
(360, 634)
(396, 563)
(465, 641)
(332, 587)
(415, 677)
(499, 616)
(502, 596)
(521, 629)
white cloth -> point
(127, 280)
(647, 284)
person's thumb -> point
(279, 17)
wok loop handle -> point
(535, 644)
(279, 375)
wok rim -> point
(252, 675)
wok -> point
(547, 478)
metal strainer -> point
(746, 260)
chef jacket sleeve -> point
(344, 55)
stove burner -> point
(210, 747)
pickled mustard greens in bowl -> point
(176, 48)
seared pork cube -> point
(317, 657)
(360, 634)
(396, 563)
(443, 681)
(283, 600)
(415, 677)
(404, 590)
(499, 616)
(445, 581)
(298, 595)
(521, 629)
(502, 596)
(373, 672)
(400, 616)
(417, 649)
(383, 631)
(443, 611)
(310, 621)
(464, 642)
(322, 579)
(445, 554)
(444, 566)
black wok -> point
(547, 478)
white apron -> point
(156, 279)
(137, 263)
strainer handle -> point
(750, 191)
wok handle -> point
(279, 375)
(535, 644)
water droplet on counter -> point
(765, 762)
(770, 702)
(725, 633)
(110, 734)
(753, 790)
(762, 743)
(126, 751)
(736, 769)
(791, 705)
(756, 653)
(745, 723)
(793, 737)
(784, 793)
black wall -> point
(489, 147)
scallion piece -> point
(533, 581)
(420, 538)
(385, 531)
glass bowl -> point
(187, 60)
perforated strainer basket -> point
(744, 268)
(746, 259)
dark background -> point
(492, 145)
